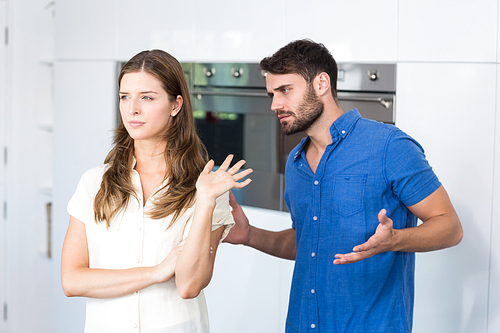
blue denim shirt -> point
(368, 166)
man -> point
(355, 188)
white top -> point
(135, 240)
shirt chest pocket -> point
(348, 194)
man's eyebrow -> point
(283, 86)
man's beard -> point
(306, 114)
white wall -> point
(446, 98)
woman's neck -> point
(149, 157)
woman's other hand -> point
(165, 270)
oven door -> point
(240, 122)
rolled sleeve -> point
(222, 216)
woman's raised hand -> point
(211, 185)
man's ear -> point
(322, 84)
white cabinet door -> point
(249, 290)
(238, 30)
(448, 30)
(87, 29)
(362, 30)
(85, 115)
(450, 110)
(494, 305)
(151, 24)
(3, 135)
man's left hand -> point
(381, 241)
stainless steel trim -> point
(385, 103)
(229, 93)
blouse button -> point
(313, 326)
(316, 182)
(313, 254)
(315, 218)
(312, 291)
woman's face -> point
(145, 107)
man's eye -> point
(285, 90)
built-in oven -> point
(233, 116)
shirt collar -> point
(339, 129)
(343, 125)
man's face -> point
(294, 101)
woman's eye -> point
(147, 98)
(123, 97)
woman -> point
(145, 226)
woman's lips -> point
(136, 123)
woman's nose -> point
(134, 107)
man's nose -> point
(276, 104)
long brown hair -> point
(185, 154)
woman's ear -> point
(177, 105)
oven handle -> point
(385, 103)
(199, 95)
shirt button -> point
(316, 182)
(313, 326)
(313, 254)
(312, 291)
(315, 218)
(135, 325)
(140, 228)
(137, 260)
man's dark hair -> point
(305, 58)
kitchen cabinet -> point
(87, 29)
(362, 30)
(3, 143)
(450, 109)
(448, 30)
(494, 299)
(84, 119)
(249, 290)
(237, 30)
(165, 25)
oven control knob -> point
(209, 73)
(236, 72)
(373, 75)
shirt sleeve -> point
(408, 173)
(81, 204)
(222, 216)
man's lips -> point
(284, 116)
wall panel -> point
(448, 30)
(450, 110)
